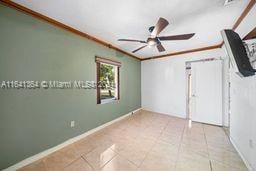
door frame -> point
(188, 82)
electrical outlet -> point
(72, 124)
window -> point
(107, 80)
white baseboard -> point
(247, 164)
(168, 114)
(64, 144)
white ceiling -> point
(113, 19)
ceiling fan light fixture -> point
(151, 42)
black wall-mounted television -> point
(237, 53)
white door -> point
(206, 90)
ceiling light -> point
(151, 41)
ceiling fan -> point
(155, 40)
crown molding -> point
(237, 23)
(104, 43)
(183, 52)
(63, 26)
(242, 16)
(251, 35)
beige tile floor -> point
(147, 141)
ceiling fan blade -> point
(160, 47)
(139, 49)
(177, 37)
(132, 40)
(161, 24)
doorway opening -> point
(204, 91)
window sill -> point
(106, 101)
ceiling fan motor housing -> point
(153, 41)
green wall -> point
(34, 120)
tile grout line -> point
(126, 157)
(68, 164)
(179, 148)
(146, 155)
(116, 153)
(105, 163)
(225, 164)
(119, 154)
(87, 162)
(71, 162)
(210, 162)
(152, 146)
(161, 127)
(80, 157)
